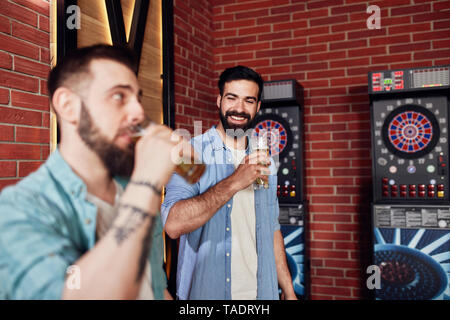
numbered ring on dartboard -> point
(278, 132)
(410, 131)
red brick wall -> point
(193, 55)
(24, 107)
(327, 47)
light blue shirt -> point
(203, 266)
(46, 225)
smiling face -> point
(110, 106)
(238, 105)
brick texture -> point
(24, 106)
(193, 55)
(327, 47)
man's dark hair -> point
(240, 73)
(77, 63)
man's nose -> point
(137, 114)
(240, 105)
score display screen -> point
(409, 79)
(426, 78)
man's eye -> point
(118, 96)
(251, 101)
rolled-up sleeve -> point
(177, 189)
(34, 257)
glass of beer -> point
(260, 143)
(188, 166)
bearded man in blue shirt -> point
(231, 246)
(70, 230)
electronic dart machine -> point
(281, 117)
(411, 193)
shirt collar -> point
(64, 174)
(217, 141)
(69, 180)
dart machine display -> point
(281, 118)
(411, 194)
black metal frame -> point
(138, 23)
(169, 120)
(168, 64)
(115, 20)
(66, 39)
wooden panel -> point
(95, 29)
(94, 23)
(151, 63)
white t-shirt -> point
(106, 214)
(244, 260)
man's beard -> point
(119, 162)
(236, 130)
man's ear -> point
(259, 106)
(67, 105)
(219, 100)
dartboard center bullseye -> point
(410, 132)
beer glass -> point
(187, 167)
(260, 143)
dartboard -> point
(277, 132)
(406, 276)
(410, 131)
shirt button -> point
(228, 254)
(229, 205)
(228, 279)
(228, 229)
(87, 221)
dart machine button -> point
(411, 169)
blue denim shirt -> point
(46, 225)
(203, 266)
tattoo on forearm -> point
(135, 219)
(122, 232)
